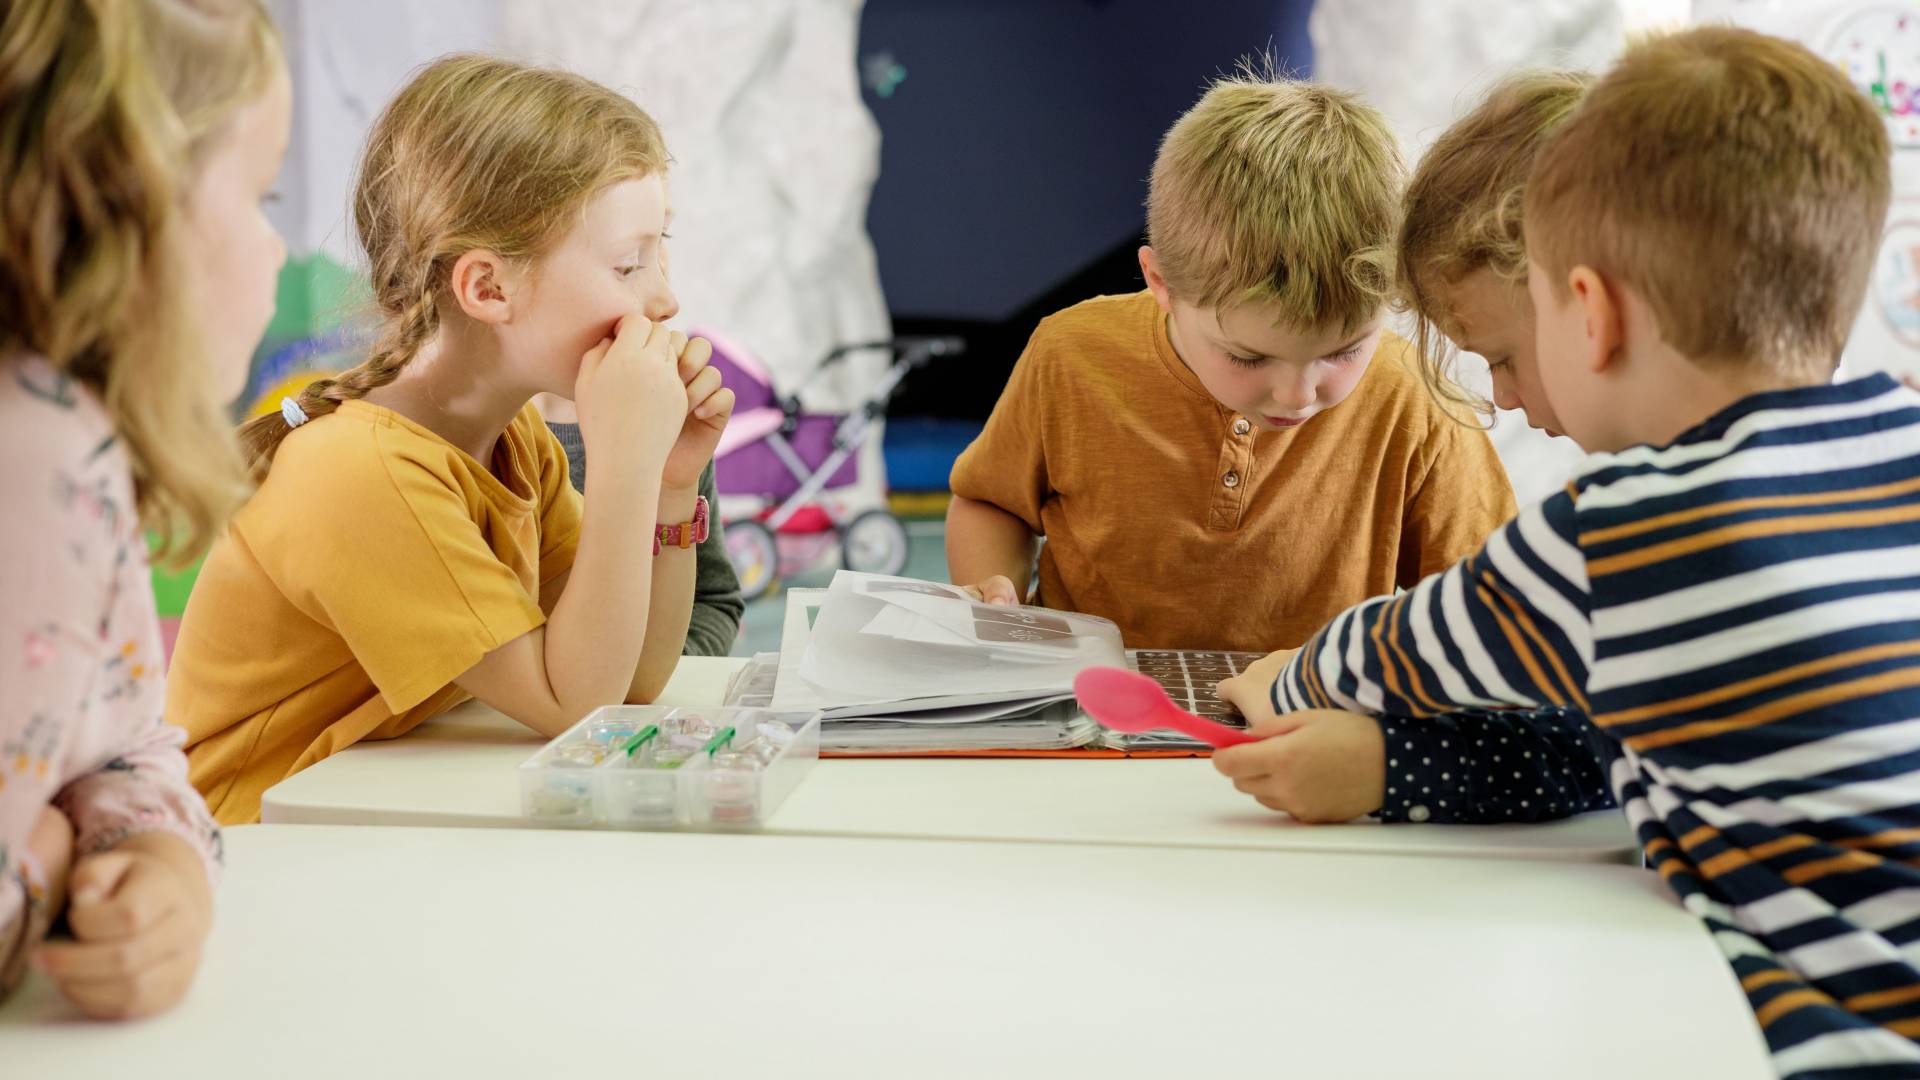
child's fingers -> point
(590, 362)
(1238, 692)
(1278, 806)
(140, 994)
(694, 358)
(717, 409)
(1242, 762)
(98, 877)
(117, 895)
(657, 333)
(1255, 786)
(90, 961)
(1264, 724)
(997, 590)
(704, 386)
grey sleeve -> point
(717, 605)
(569, 436)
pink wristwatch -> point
(687, 533)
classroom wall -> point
(1017, 145)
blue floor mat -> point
(920, 451)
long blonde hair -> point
(107, 110)
(1463, 210)
(476, 152)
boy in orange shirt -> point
(1225, 459)
(1232, 456)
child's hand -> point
(1322, 766)
(995, 590)
(631, 399)
(709, 405)
(139, 914)
(51, 845)
(1251, 691)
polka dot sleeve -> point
(1479, 768)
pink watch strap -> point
(687, 533)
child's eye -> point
(1345, 356)
(1245, 361)
(270, 197)
(629, 271)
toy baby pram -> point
(784, 459)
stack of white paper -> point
(899, 665)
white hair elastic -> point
(292, 413)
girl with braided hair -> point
(415, 540)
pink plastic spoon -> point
(1131, 702)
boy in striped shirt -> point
(1730, 590)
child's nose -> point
(660, 304)
(1294, 393)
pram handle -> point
(916, 350)
(912, 350)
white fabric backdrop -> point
(1425, 62)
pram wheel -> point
(874, 543)
(755, 556)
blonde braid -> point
(407, 333)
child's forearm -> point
(671, 606)
(1493, 767)
(595, 636)
(1502, 629)
(984, 540)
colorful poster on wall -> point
(1877, 43)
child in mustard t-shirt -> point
(415, 539)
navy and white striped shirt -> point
(1739, 614)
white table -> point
(520, 954)
(458, 770)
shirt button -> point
(1231, 480)
(1419, 814)
(1241, 427)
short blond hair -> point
(108, 110)
(1463, 210)
(1736, 181)
(1282, 192)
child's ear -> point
(1150, 269)
(479, 284)
(1601, 316)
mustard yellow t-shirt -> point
(376, 563)
(1191, 527)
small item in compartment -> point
(611, 732)
(690, 731)
(566, 795)
(733, 788)
(762, 751)
(670, 757)
(583, 755)
(650, 797)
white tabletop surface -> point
(521, 954)
(458, 770)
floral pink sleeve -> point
(80, 655)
